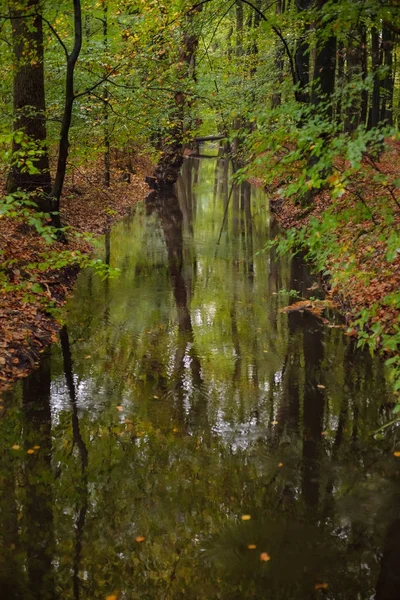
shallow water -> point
(186, 439)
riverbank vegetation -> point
(305, 96)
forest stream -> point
(188, 439)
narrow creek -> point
(186, 439)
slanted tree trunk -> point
(63, 146)
(29, 101)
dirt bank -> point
(27, 325)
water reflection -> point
(179, 399)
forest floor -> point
(26, 292)
(359, 255)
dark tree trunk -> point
(364, 69)
(279, 62)
(107, 157)
(323, 87)
(29, 100)
(376, 94)
(324, 67)
(67, 116)
(172, 143)
(388, 82)
(353, 76)
(239, 28)
(340, 79)
(302, 58)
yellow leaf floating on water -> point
(252, 546)
(280, 465)
(36, 447)
(246, 517)
(275, 422)
(120, 408)
(264, 556)
(321, 586)
(15, 447)
(112, 597)
(397, 454)
(140, 538)
(320, 386)
(88, 356)
(30, 451)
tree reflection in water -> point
(179, 399)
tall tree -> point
(29, 102)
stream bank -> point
(29, 315)
(346, 239)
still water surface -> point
(186, 439)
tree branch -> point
(54, 32)
(96, 85)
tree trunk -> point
(107, 158)
(171, 159)
(279, 62)
(67, 116)
(388, 82)
(302, 58)
(324, 68)
(29, 101)
(340, 80)
(353, 76)
(376, 93)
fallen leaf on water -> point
(320, 386)
(252, 546)
(280, 465)
(88, 356)
(321, 586)
(264, 556)
(246, 517)
(15, 447)
(36, 447)
(397, 454)
(140, 538)
(30, 451)
(275, 422)
(120, 408)
(112, 597)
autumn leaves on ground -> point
(359, 247)
(30, 297)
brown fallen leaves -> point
(359, 243)
(25, 328)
